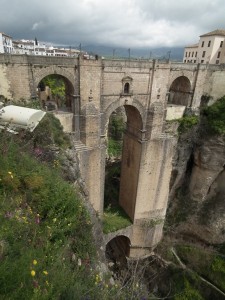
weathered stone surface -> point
(209, 160)
(205, 180)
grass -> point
(115, 218)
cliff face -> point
(197, 194)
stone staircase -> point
(80, 147)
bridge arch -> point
(118, 249)
(180, 91)
(41, 72)
(62, 100)
(118, 103)
(131, 157)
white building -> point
(6, 45)
(209, 50)
(23, 47)
(33, 47)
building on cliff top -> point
(209, 50)
(33, 47)
(6, 45)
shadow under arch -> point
(118, 249)
(180, 91)
(131, 158)
(61, 98)
(130, 161)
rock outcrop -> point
(198, 186)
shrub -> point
(187, 122)
(215, 116)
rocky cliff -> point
(197, 192)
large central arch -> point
(131, 155)
(130, 164)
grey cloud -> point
(128, 23)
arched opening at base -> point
(117, 250)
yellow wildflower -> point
(34, 262)
(45, 272)
(32, 273)
(10, 173)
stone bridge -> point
(149, 91)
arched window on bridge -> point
(127, 85)
(126, 88)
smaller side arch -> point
(56, 92)
(41, 73)
(180, 91)
(118, 249)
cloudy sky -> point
(121, 23)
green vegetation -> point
(187, 122)
(43, 224)
(114, 219)
(32, 103)
(56, 84)
(210, 265)
(50, 131)
(116, 126)
(114, 148)
(114, 216)
(112, 185)
(178, 282)
(115, 140)
(46, 246)
(215, 116)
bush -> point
(215, 116)
(187, 122)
